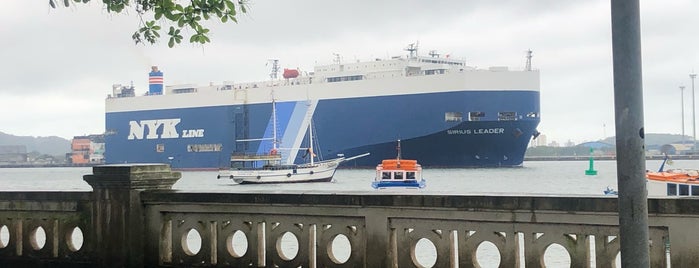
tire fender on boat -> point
(258, 177)
(288, 175)
(218, 176)
(311, 172)
(231, 177)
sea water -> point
(543, 178)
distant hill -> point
(45, 145)
(653, 139)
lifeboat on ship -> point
(290, 73)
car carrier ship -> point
(447, 113)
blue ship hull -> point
(205, 137)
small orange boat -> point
(673, 182)
(398, 173)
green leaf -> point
(171, 43)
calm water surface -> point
(534, 178)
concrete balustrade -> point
(133, 219)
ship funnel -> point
(155, 81)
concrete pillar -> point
(117, 212)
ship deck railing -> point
(256, 157)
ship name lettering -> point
(489, 131)
(477, 131)
(193, 133)
(169, 129)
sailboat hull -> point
(318, 172)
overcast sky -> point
(58, 65)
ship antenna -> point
(275, 68)
(398, 157)
(412, 48)
(528, 66)
(434, 54)
(337, 58)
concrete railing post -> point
(118, 214)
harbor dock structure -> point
(131, 218)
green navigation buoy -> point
(591, 170)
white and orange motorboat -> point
(673, 182)
(398, 173)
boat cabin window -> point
(410, 175)
(684, 190)
(671, 189)
(385, 175)
(398, 175)
(695, 190)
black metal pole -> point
(628, 110)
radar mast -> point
(528, 66)
(275, 68)
(412, 48)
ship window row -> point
(507, 116)
(431, 72)
(204, 147)
(478, 116)
(184, 90)
(475, 116)
(344, 78)
(453, 117)
(443, 62)
(674, 189)
(398, 175)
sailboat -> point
(268, 168)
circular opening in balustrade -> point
(237, 244)
(556, 255)
(191, 242)
(4, 236)
(37, 238)
(287, 246)
(424, 253)
(340, 249)
(487, 255)
(74, 239)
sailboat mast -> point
(310, 139)
(274, 123)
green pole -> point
(591, 170)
